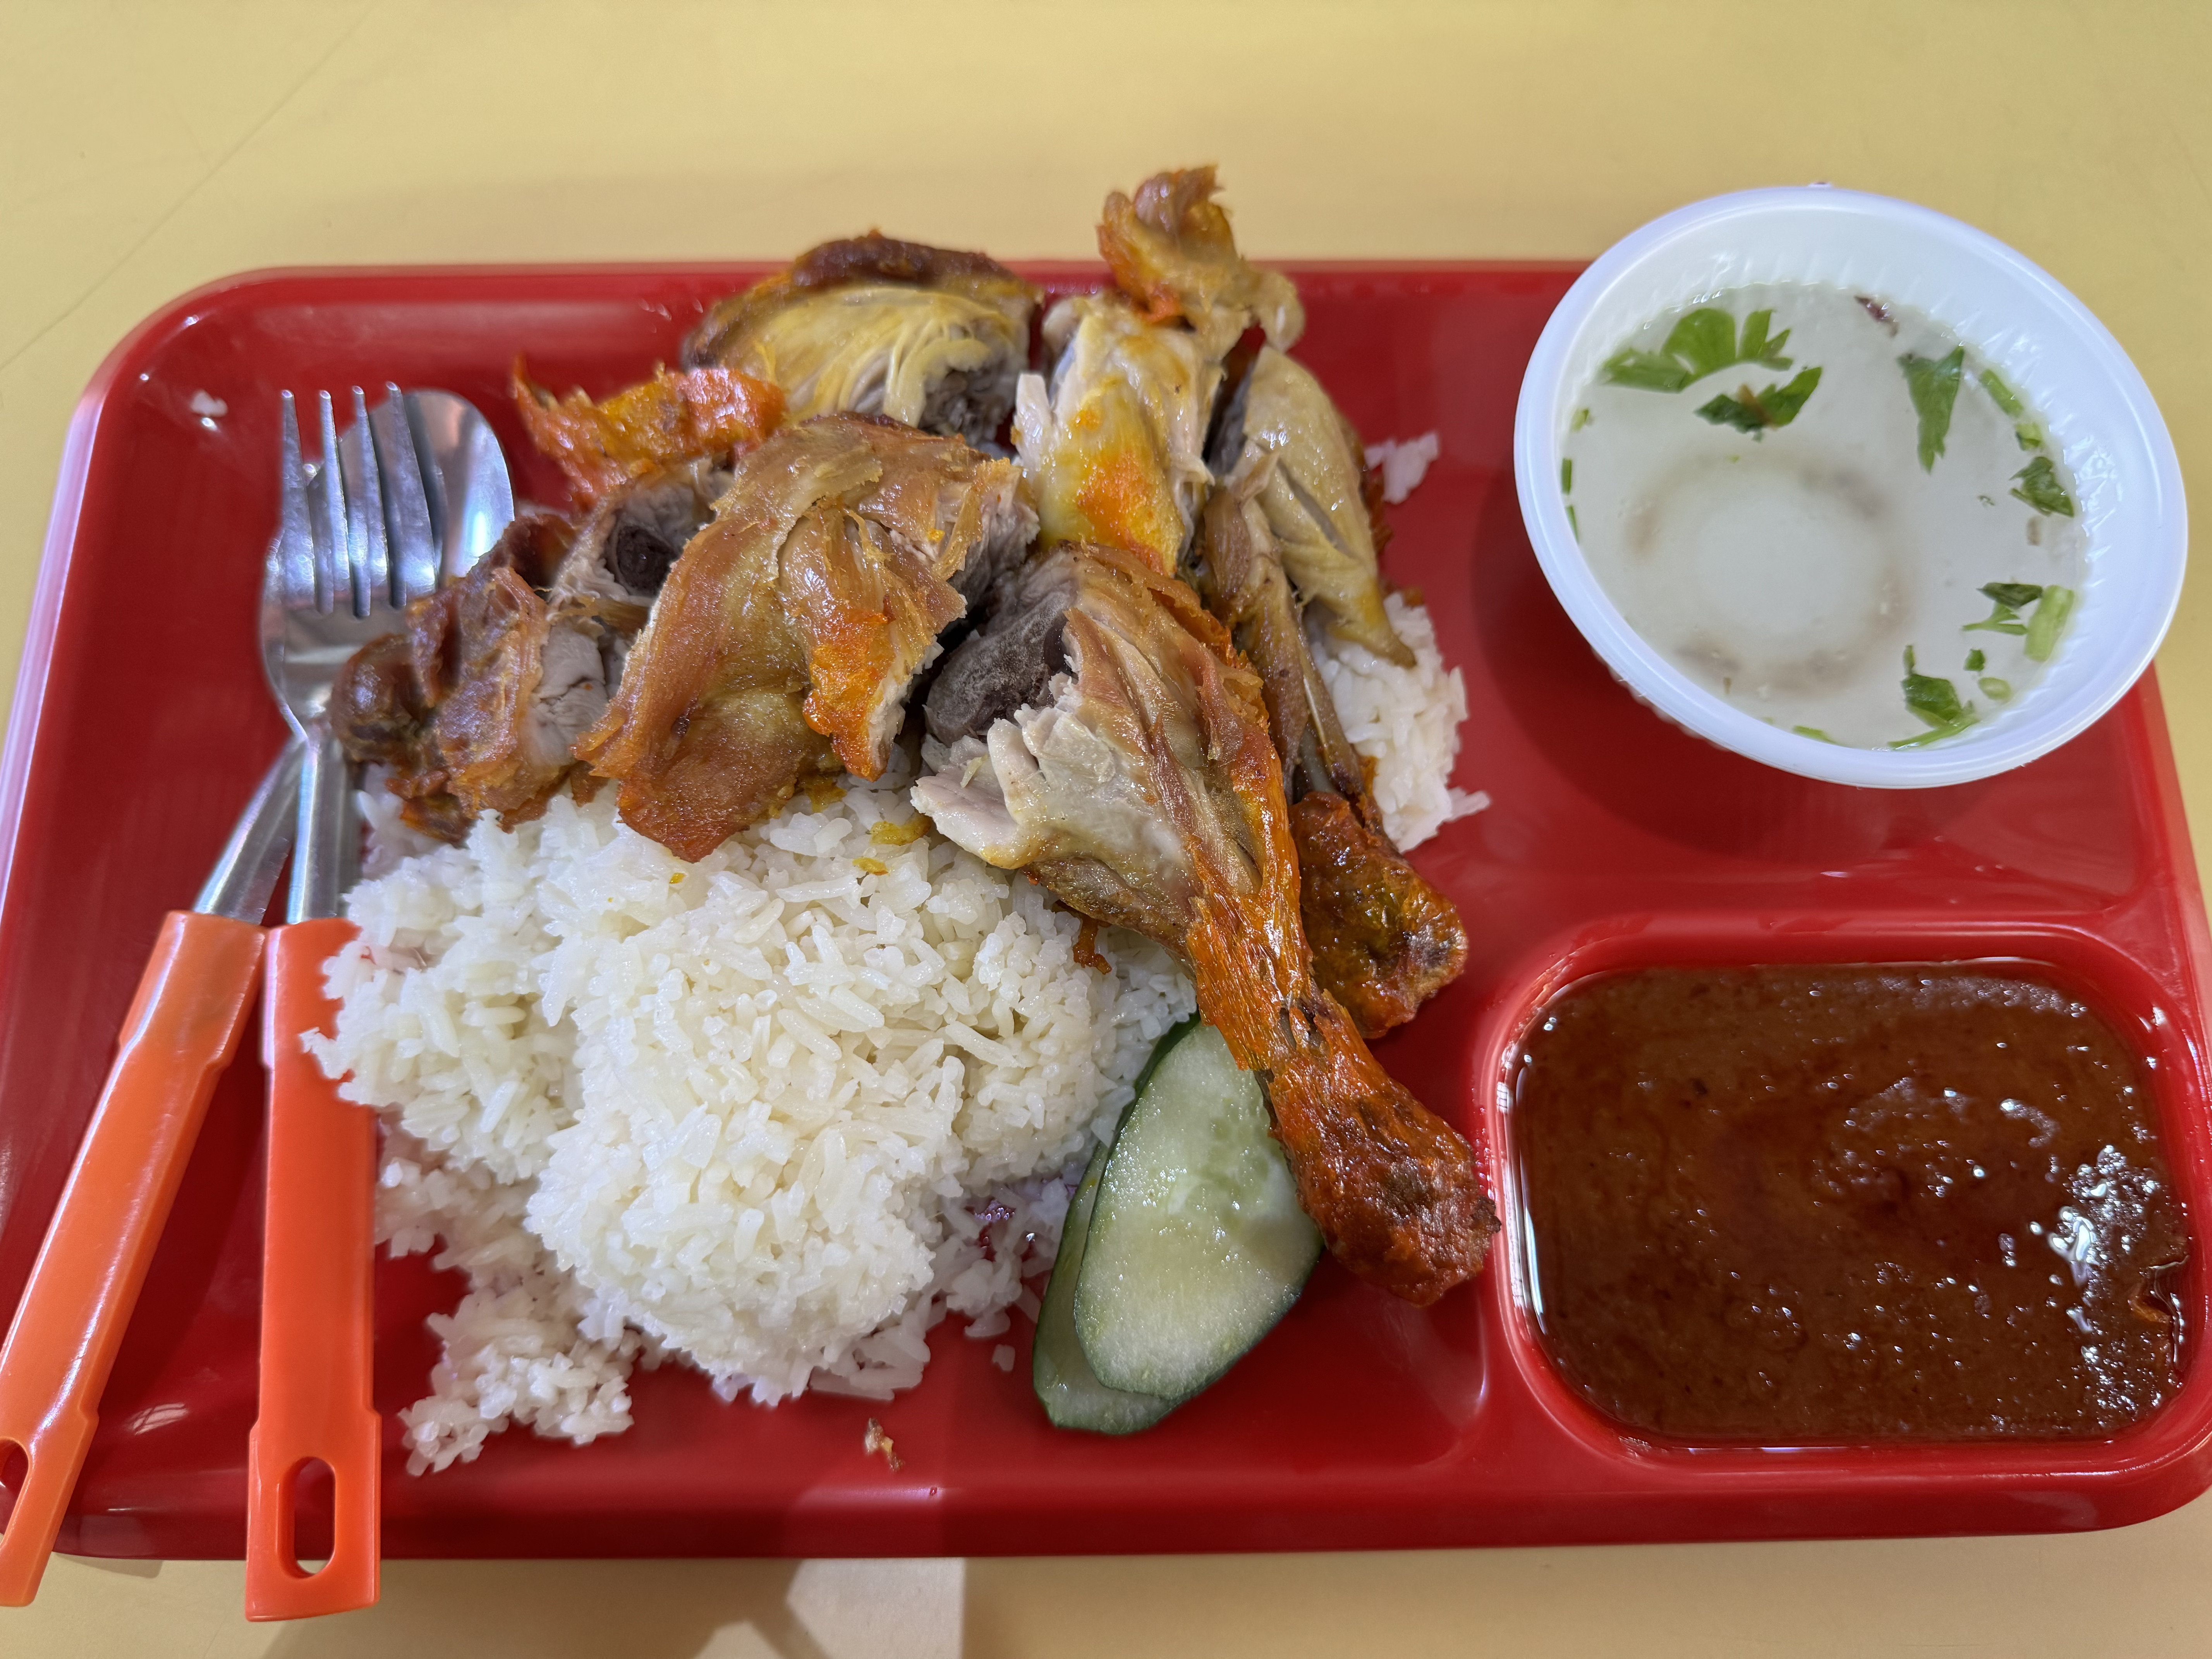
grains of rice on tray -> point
(1406, 721)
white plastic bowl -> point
(2011, 315)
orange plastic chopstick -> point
(181, 1032)
(315, 1304)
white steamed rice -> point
(526, 1344)
(747, 1109)
(1406, 721)
(1404, 462)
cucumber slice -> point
(1196, 1245)
(1073, 1396)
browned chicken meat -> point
(1103, 734)
(1384, 940)
(1312, 495)
(1238, 571)
(870, 326)
(627, 545)
(1113, 445)
(459, 707)
(476, 705)
(378, 712)
(667, 421)
(787, 634)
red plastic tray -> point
(142, 722)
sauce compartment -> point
(2115, 987)
(1841, 1203)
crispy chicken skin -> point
(1115, 453)
(665, 422)
(1384, 939)
(786, 633)
(380, 718)
(1142, 787)
(1171, 251)
(510, 691)
(871, 325)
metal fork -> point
(355, 546)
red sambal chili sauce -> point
(1802, 1204)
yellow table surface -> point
(146, 149)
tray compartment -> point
(2070, 958)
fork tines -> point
(368, 549)
(356, 528)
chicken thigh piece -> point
(1119, 749)
(786, 633)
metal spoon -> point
(471, 497)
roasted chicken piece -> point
(1314, 496)
(787, 634)
(1115, 453)
(870, 326)
(1171, 250)
(511, 691)
(475, 706)
(1384, 939)
(1138, 782)
(1114, 446)
(1237, 570)
(380, 718)
(667, 421)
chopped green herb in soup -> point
(1789, 488)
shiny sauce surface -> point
(1792, 1205)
